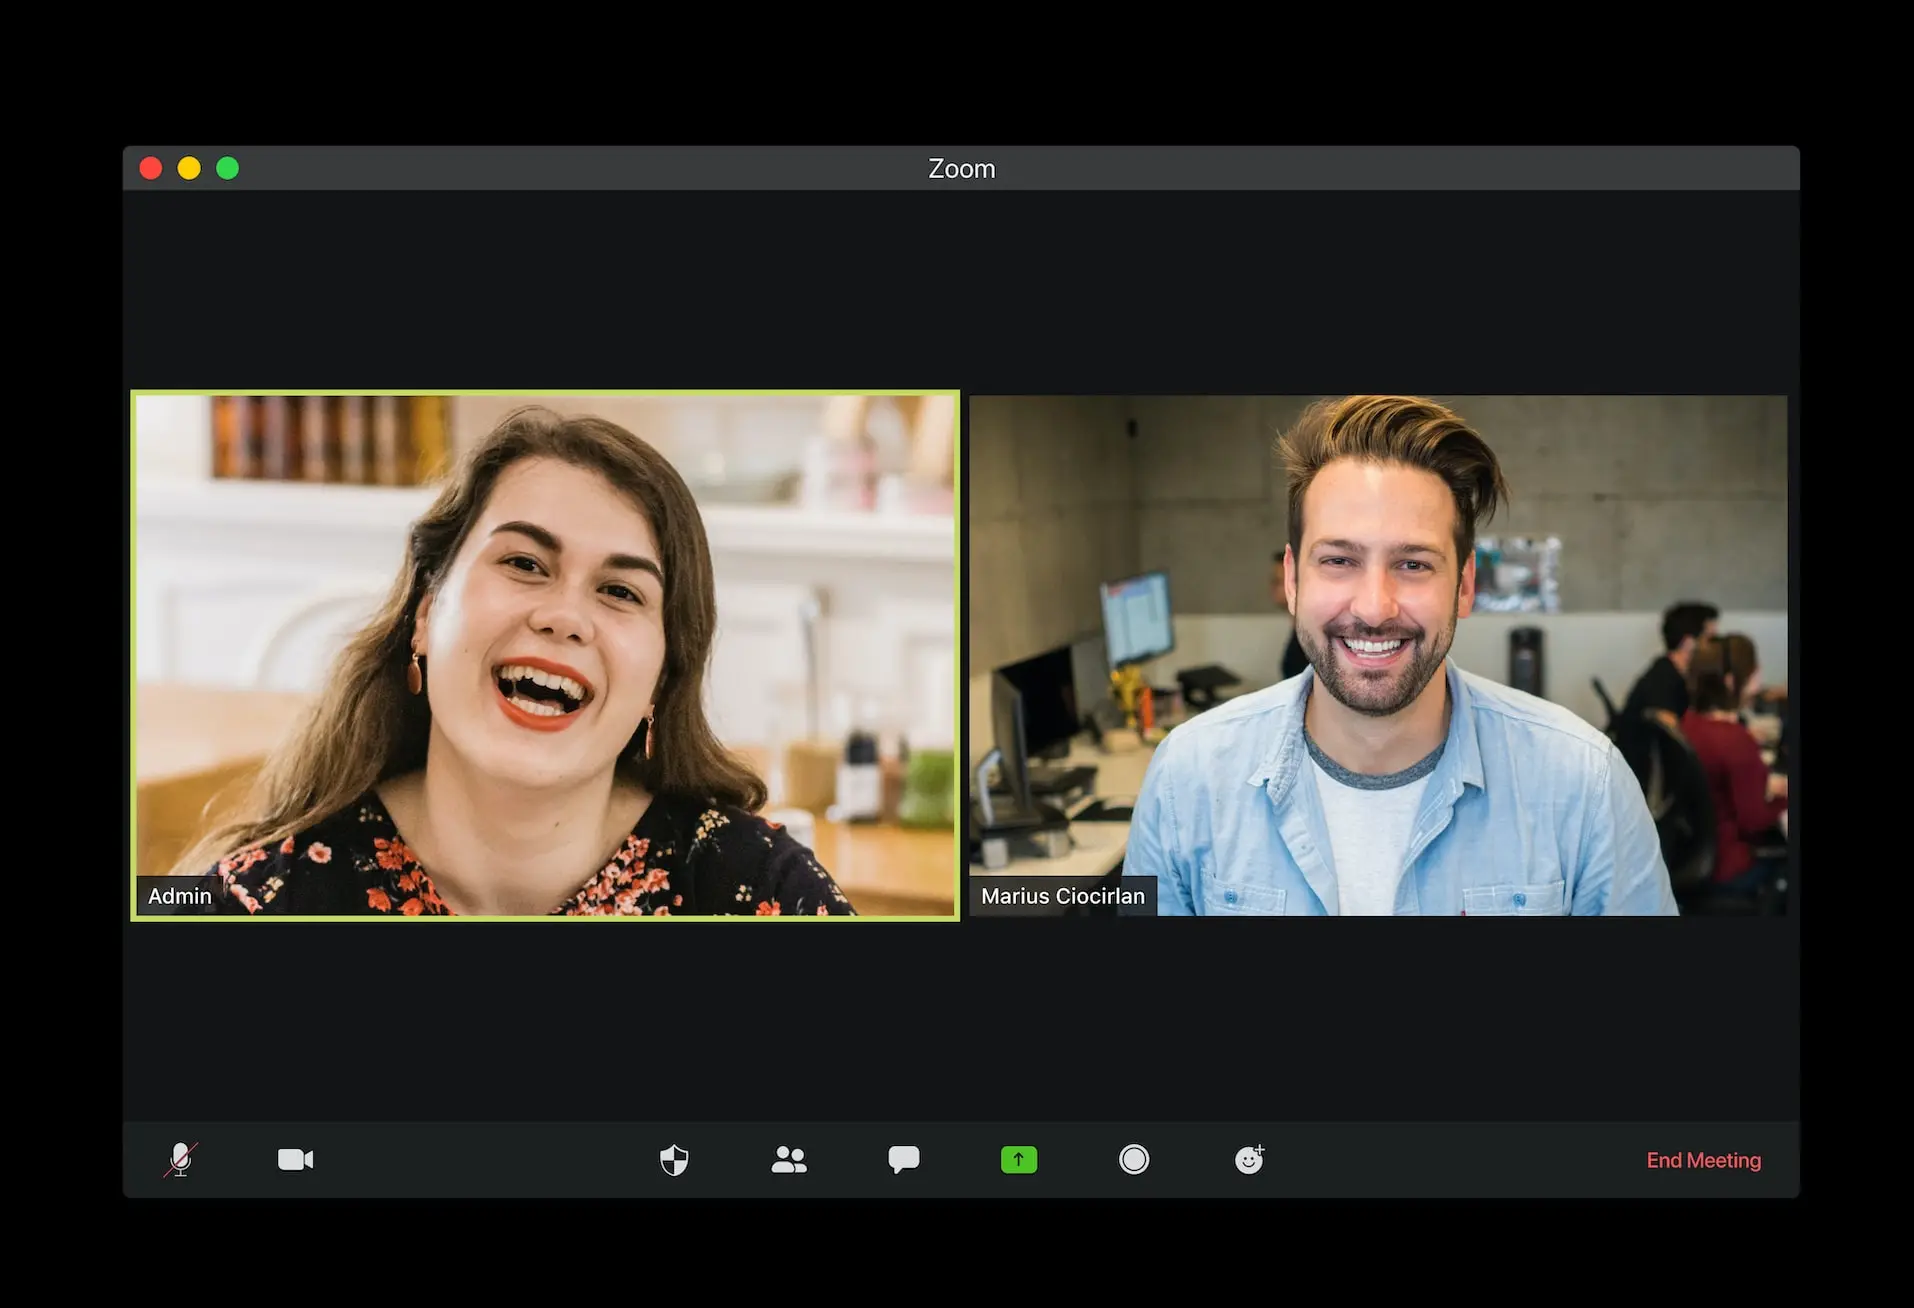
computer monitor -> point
(1136, 619)
(1090, 674)
(1006, 719)
(1047, 684)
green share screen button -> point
(1019, 1159)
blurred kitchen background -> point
(268, 526)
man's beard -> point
(1381, 692)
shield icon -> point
(674, 1160)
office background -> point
(1655, 499)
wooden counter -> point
(890, 871)
(194, 745)
(191, 746)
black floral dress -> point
(684, 858)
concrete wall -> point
(1655, 498)
(1052, 513)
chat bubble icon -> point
(904, 1156)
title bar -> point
(217, 167)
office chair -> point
(1608, 706)
(1676, 787)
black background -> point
(1081, 1019)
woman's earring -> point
(414, 679)
(651, 720)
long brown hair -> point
(1720, 672)
(366, 728)
(1404, 429)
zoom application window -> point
(801, 673)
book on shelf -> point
(355, 449)
(276, 438)
(317, 438)
(429, 440)
(230, 420)
(388, 441)
(380, 440)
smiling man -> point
(1386, 780)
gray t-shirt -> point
(1370, 820)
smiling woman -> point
(520, 731)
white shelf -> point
(386, 511)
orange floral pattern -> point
(684, 858)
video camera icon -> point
(295, 1160)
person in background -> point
(1724, 677)
(1295, 658)
(1663, 688)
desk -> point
(1097, 847)
(194, 745)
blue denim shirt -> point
(1529, 812)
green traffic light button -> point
(1019, 1160)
